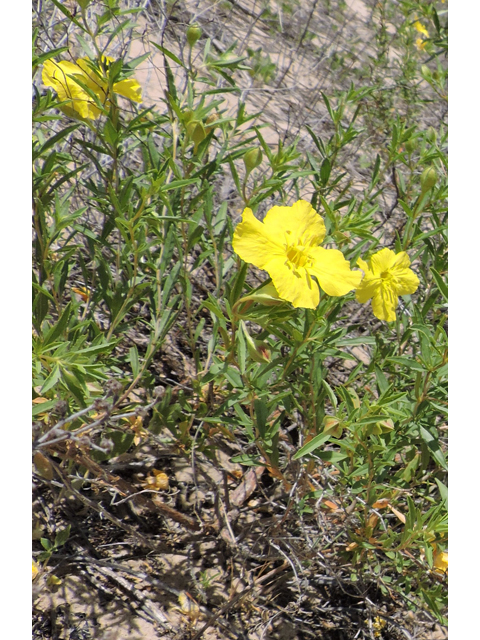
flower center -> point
(297, 256)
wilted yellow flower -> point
(63, 76)
(188, 606)
(378, 624)
(158, 480)
(387, 276)
(285, 245)
(83, 292)
(136, 424)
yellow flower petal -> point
(333, 271)
(382, 260)
(252, 242)
(296, 286)
(402, 261)
(384, 303)
(299, 224)
(406, 282)
(367, 288)
(420, 28)
(440, 562)
(129, 89)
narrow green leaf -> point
(331, 456)
(133, 358)
(441, 284)
(434, 447)
(59, 327)
(168, 53)
(51, 380)
(316, 442)
(407, 362)
(325, 171)
(261, 415)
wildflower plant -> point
(271, 313)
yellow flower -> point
(421, 29)
(63, 76)
(285, 245)
(421, 44)
(387, 276)
(35, 569)
(440, 562)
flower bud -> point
(410, 145)
(384, 426)
(210, 122)
(193, 34)
(187, 116)
(431, 135)
(252, 159)
(266, 294)
(428, 179)
(333, 426)
(426, 73)
(258, 351)
(196, 132)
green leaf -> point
(331, 456)
(241, 351)
(316, 442)
(52, 379)
(46, 544)
(122, 442)
(238, 284)
(38, 60)
(318, 143)
(168, 53)
(59, 327)
(441, 284)
(133, 358)
(434, 447)
(261, 415)
(330, 393)
(407, 362)
(247, 460)
(56, 138)
(62, 537)
(443, 491)
(67, 13)
(325, 171)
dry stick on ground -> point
(124, 487)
